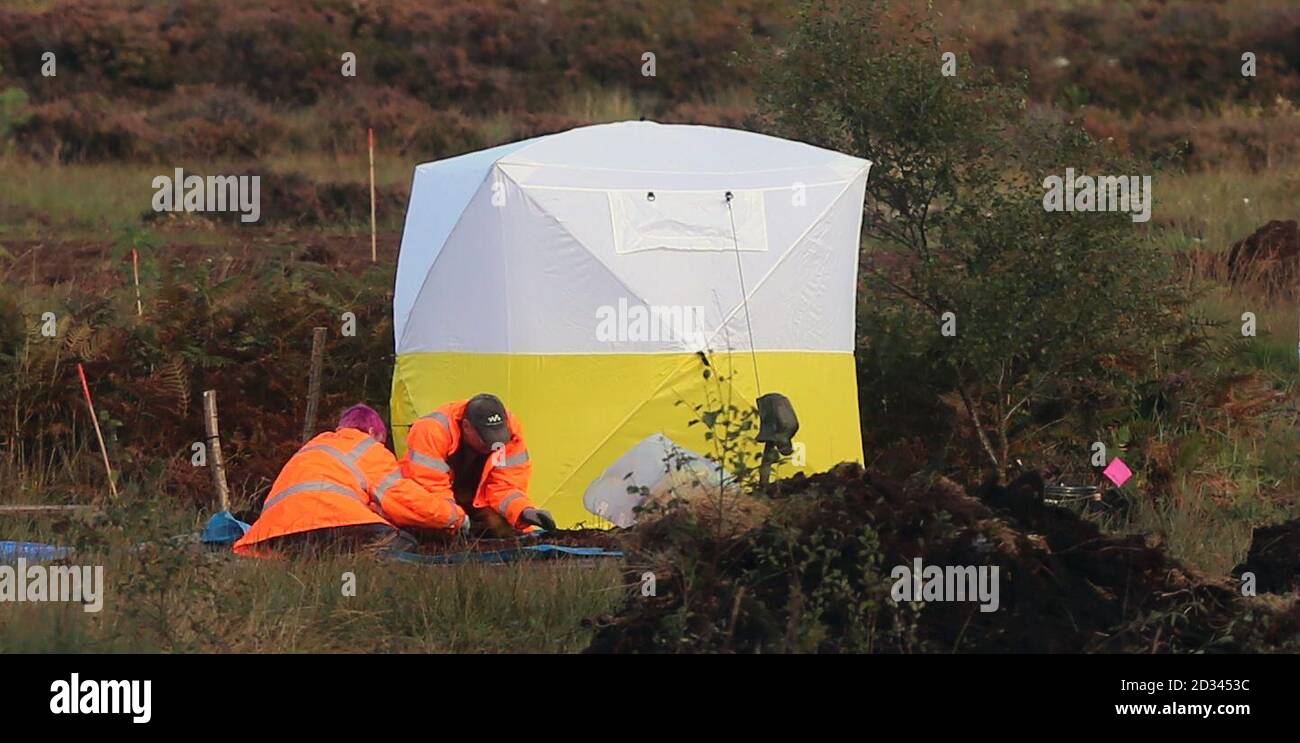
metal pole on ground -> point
(214, 449)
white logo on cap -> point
(494, 418)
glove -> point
(538, 517)
(463, 531)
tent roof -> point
(648, 149)
(631, 156)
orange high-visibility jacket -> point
(503, 485)
(346, 478)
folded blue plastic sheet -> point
(223, 528)
(32, 552)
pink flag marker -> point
(1117, 472)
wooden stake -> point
(313, 383)
(374, 245)
(112, 487)
(214, 449)
(135, 271)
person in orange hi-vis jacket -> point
(473, 451)
(344, 488)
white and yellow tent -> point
(576, 275)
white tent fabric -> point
(593, 280)
(441, 196)
(522, 244)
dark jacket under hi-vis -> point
(503, 484)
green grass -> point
(600, 106)
(1211, 211)
(390, 170)
(92, 196)
(186, 603)
(1208, 520)
(89, 201)
(177, 597)
(1241, 475)
(1277, 327)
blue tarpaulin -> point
(32, 552)
(223, 529)
(529, 552)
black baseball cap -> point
(488, 416)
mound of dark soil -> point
(1274, 558)
(1271, 249)
(817, 577)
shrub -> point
(85, 128)
(13, 111)
(211, 122)
(239, 325)
(1043, 302)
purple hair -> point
(364, 418)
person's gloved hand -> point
(463, 531)
(538, 517)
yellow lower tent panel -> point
(581, 412)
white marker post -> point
(374, 249)
(135, 272)
(112, 487)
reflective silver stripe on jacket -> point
(315, 486)
(517, 459)
(428, 461)
(504, 508)
(388, 482)
(348, 460)
(362, 448)
(443, 419)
